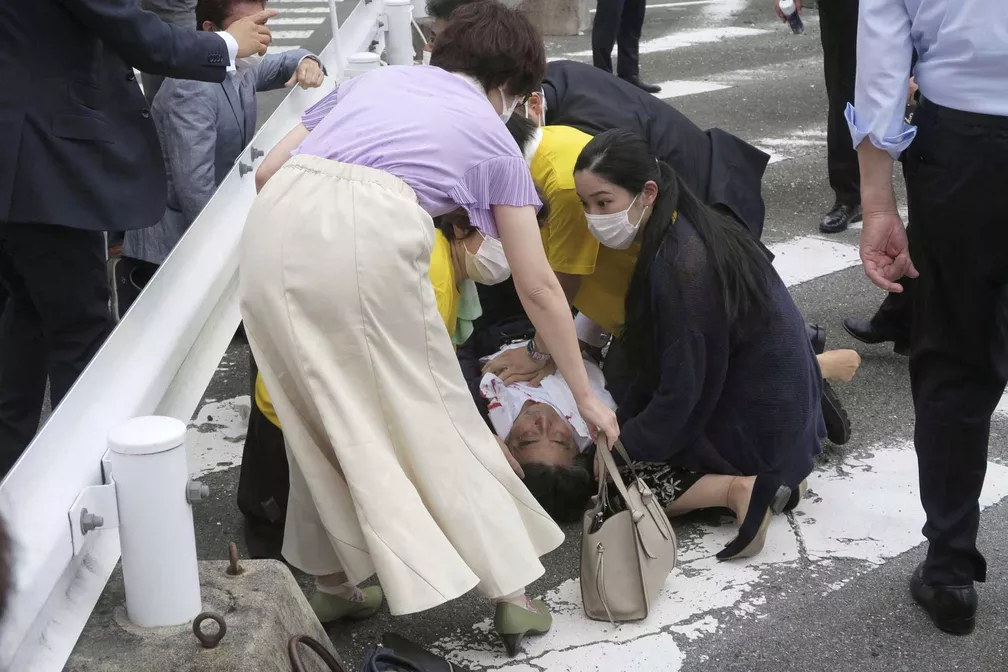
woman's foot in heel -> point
(767, 496)
(796, 497)
(329, 608)
(513, 623)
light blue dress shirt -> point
(962, 48)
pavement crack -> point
(799, 538)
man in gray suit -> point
(181, 13)
(203, 128)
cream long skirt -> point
(392, 469)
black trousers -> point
(55, 320)
(896, 312)
(838, 21)
(618, 22)
(956, 171)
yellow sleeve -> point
(263, 403)
(570, 246)
(442, 277)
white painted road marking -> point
(677, 88)
(866, 510)
(809, 257)
(685, 38)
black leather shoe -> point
(839, 218)
(817, 335)
(834, 416)
(952, 608)
(643, 86)
(867, 331)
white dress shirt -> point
(505, 402)
(232, 47)
(962, 48)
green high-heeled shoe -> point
(329, 608)
(513, 623)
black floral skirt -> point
(668, 482)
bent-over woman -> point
(392, 469)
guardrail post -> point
(399, 41)
(156, 532)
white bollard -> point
(156, 531)
(359, 63)
(399, 41)
(419, 9)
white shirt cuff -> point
(232, 47)
(894, 144)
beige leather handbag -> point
(628, 547)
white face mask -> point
(426, 57)
(247, 62)
(506, 110)
(488, 266)
(614, 230)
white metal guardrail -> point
(158, 361)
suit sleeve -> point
(275, 70)
(149, 44)
(189, 133)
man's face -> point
(437, 26)
(539, 434)
(239, 10)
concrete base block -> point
(262, 608)
(560, 17)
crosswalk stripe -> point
(802, 259)
(685, 38)
(676, 5)
(296, 21)
(677, 88)
(291, 34)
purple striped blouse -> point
(431, 129)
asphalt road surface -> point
(829, 591)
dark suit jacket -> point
(718, 167)
(77, 144)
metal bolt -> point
(196, 491)
(234, 569)
(89, 521)
(256, 153)
(244, 169)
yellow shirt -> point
(570, 246)
(442, 277)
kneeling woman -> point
(723, 385)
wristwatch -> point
(530, 348)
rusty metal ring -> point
(295, 657)
(209, 641)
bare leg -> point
(714, 490)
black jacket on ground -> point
(718, 167)
(77, 144)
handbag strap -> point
(607, 464)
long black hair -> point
(741, 267)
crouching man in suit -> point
(203, 127)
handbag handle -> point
(607, 464)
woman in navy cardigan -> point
(722, 387)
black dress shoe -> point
(834, 416)
(868, 331)
(839, 218)
(952, 608)
(643, 86)
(817, 336)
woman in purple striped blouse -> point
(392, 469)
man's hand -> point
(911, 90)
(252, 34)
(776, 6)
(510, 458)
(517, 366)
(308, 74)
(884, 250)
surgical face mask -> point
(614, 230)
(247, 62)
(488, 266)
(426, 57)
(506, 110)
